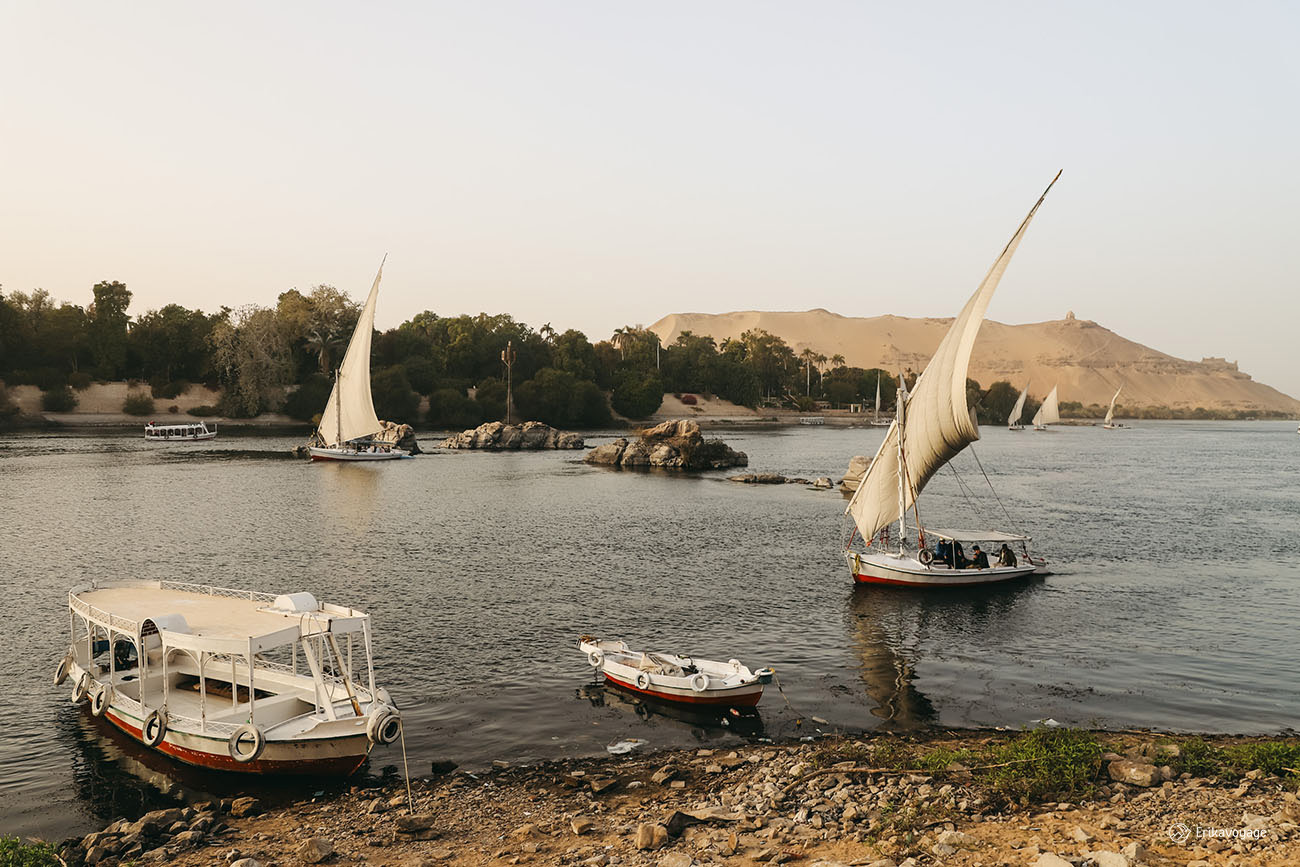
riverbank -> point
(1051, 797)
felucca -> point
(1013, 420)
(931, 425)
(1109, 423)
(349, 424)
(1049, 412)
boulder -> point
(608, 454)
(637, 454)
(314, 850)
(665, 455)
(1135, 773)
(400, 435)
(498, 436)
(759, 479)
(650, 837)
(823, 482)
(582, 824)
(858, 465)
(241, 807)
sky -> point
(597, 164)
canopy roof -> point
(976, 535)
(197, 617)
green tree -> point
(638, 395)
(394, 398)
(451, 409)
(108, 327)
(253, 360)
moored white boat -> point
(673, 678)
(232, 680)
(932, 425)
(179, 432)
(348, 425)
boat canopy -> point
(976, 535)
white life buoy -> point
(385, 725)
(102, 699)
(154, 728)
(246, 743)
(65, 666)
(700, 681)
(596, 658)
(643, 680)
(82, 687)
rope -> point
(1012, 521)
(406, 769)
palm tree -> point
(837, 360)
(808, 356)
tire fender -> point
(81, 688)
(385, 725)
(700, 681)
(246, 743)
(596, 658)
(102, 698)
(925, 556)
(154, 728)
(65, 667)
(643, 680)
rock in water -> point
(670, 445)
(497, 436)
(858, 465)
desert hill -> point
(1087, 361)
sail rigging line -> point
(1014, 523)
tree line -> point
(282, 358)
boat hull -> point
(348, 455)
(333, 757)
(740, 696)
(877, 568)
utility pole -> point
(508, 359)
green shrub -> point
(1050, 765)
(80, 380)
(173, 409)
(59, 399)
(394, 398)
(203, 411)
(309, 398)
(637, 395)
(164, 390)
(450, 409)
(138, 403)
(490, 396)
(15, 853)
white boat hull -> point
(708, 683)
(875, 567)
(329, 454)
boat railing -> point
(128, 704)
(209, 590)
(99, 615)
(189, 723)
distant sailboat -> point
(1013, 420)
(1109, 423)
(348, 424)
(1049, 412)
(931, 425)
(875, 421)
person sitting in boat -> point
(980, 560)
(1006, 557)
(959, 560)
(943, 551)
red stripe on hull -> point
(749, 699)
(343, 766)
(862, 578)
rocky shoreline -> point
(877, 800)
(498, 436)
(670, 445)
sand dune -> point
(1087, 361)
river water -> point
(1173, 603)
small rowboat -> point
(683, 679)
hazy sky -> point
(594, 164)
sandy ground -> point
(1087, 362)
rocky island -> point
(497, 436)
(671, 445)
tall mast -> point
(902, 470)
(338, 412)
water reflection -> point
(704, 723)
(890, 626)
(347, 494)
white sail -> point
(938, 422)
(877, 395)
(1019, 408)
(1110, 413)
(350, 412)
(1050, 411)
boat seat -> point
(268, 711)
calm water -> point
(1173, 604)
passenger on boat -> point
(943, 551)
(981, 560)
(1006, 557)
(959, 560)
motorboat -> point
(179, 432)
(234, 680)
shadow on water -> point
(890, 625)
(179, 455)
